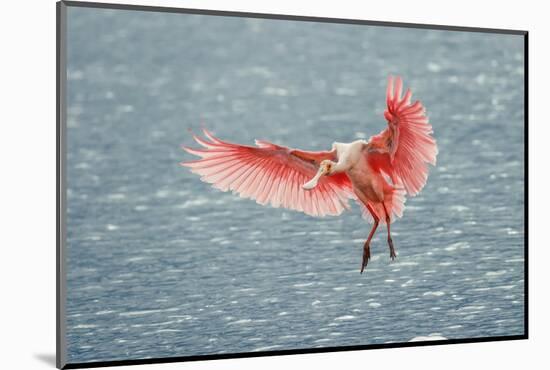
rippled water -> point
(162, 265)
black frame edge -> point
(226, 13)
(526, 181)
(61, 34)
(151, 361)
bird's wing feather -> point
(405, 148)
(271, 174)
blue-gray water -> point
(160, 264)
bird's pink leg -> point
(366, 247)
(390, 241)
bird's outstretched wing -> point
(271, 174)
(405, 148)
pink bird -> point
(377, 173)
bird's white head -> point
(326, 168)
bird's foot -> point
(366, 256)
(392, 250)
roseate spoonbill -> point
(377, 173)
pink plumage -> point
(270, 174)
(377, 173)
(408, 146)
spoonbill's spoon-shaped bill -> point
(315, 180)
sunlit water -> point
(161, 265)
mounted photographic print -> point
(237, 184)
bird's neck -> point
(341, 166)
(347, 154)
